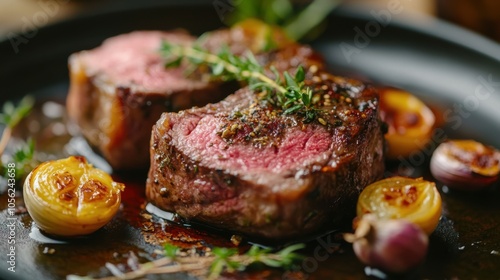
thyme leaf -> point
(170, 250)
(290, 94)
(11, 116)
(23, 157)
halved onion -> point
(465, 164)
(410, 122)
(69, 197)
(415, 200)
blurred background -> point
(482, 16)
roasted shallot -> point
(410, 122)
(465, 164)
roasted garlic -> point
(69, 197)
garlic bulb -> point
(393, 245)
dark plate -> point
(451, 69)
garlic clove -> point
(393, 245)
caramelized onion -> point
(415, 200)
(410, 122)
(69, 197)
(465, 164)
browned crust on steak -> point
(274, 203)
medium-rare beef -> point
(119, 90)
(245, 166)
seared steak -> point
(243, 165)
(119, 90)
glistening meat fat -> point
(243, 165)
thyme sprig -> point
(290, 94)
(224, 65)
(23, 156)
(11, 116)
(211, 266)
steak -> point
(243, 165)
(119, 90)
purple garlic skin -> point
(393, 246)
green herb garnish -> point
(11, 116)
(211, 265)
(170, 251)
(290, 94)
(224, 260)
(23, 157)
(297, 23)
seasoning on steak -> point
(243, 165)
(119, 90)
